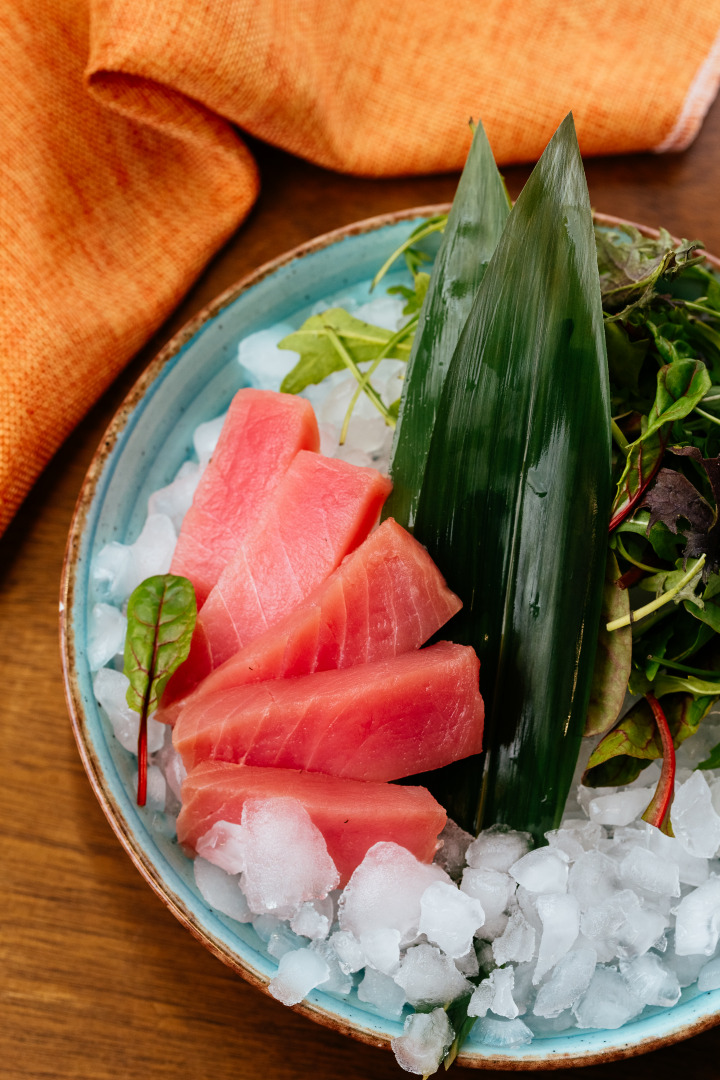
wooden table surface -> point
(97, 979)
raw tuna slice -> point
(376, 721)
(385, 599)
(261, 435)
(319, 512)
(352, 816)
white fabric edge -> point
(700, 96)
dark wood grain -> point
(97, 979)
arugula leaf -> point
(161, 618)
(613, 656)
(318, 355)
(680, 387)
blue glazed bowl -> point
(191, 381)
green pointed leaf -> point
(161, 619)
(473, 229)
(613, 657)
(522, 435)
(318, 355)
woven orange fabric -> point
(122, 174)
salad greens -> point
(661, 311)
(161, 618)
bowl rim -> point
(91, 763)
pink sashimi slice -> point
(351, 815)
(386, 598)
(319, 512)
(380, 721)
(262, 433)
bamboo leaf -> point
(523, 434)
(613, 657)
(471, 234)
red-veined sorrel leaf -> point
(161, 619)
(658, 812)
(634, 742)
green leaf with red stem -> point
(633, 743)
(658, 812)
(161, 618)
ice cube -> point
(205, 436)
(593, 879)
(491, 887)
(651, 981)
(621, 807)
(338, 982)
(430, 978)
(299, 972)
(697, 924)
(385, 891)
(482, 998)
(350, 953)
(156, 789)
(106, 639)
(560, 916)
(425, 1040)
(283, 940)
(259, 355)
(175, 499)
(497, 848)
(644, 870)
(468, 964)
(608, 1002)
(503, 980)
(709, 977)
(223, 845)
(313, 919)
(544, 870)
(381, 948)
(449, 918)
(382, 992)
(222, 891)
(119, 568)
(286, 857)
(505, 1033)
(571, 978)
(110, 688)
(695, 823)
(517, 943)
(575, 837)
(454, 843)
(691, 869)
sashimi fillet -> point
(378, 721)
(351, 815)
(319, 512)
(262, 433)
(386, 598)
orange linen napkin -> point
(122, 174)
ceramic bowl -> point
(191, 381)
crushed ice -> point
(608, 918)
